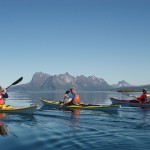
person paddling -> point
(3, 95)
(143, 97)
(73, 98)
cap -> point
(144, 90)
(72, 89)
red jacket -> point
(2, 101)
(143, 97)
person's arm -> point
(66, 94)
(70, 98)
(4, 94)
(68, 101)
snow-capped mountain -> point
(121, 84)
(45, 82)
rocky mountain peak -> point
(38, 79)
(123, 83)
(45, 82)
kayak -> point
(58, 105)
(132, 103)
(24, 110)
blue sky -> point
(106, 38)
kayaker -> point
(143, 97)
(73, 98)
(3, 95)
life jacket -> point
(2, 101)
(143, 98)
(76, 99)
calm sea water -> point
(127, 128)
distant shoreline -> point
(128, 91)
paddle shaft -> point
(127, 94)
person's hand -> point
(61, 102)
(4, 90)
(138, 100)
(65, 95)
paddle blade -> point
(16, 82)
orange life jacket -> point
(2, 101)
(76, 99)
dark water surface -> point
(127, 128)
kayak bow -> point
(24, 110)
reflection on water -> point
(74, 116)
(57, 129)
(3, 128)
(7, 119)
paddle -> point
(67, 92)
(133, 96)
(16, 82)
(127, 94)
(62, 102)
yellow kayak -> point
(57, 105)
(23, 110)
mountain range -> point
(45, 82)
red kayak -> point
(132, 103)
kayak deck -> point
(57, 105)
(24, 110)
(94, 107)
